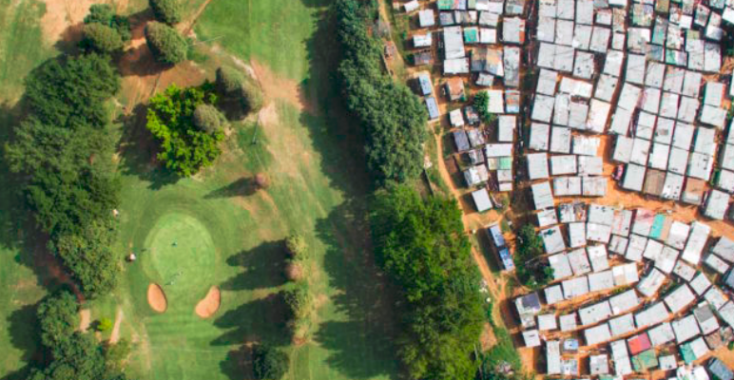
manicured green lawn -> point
(226, 233)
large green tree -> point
(392, 117)
(105, 15)
(102, 39)
(185, 148)
(58, 318)
(64, 149)
(167, 45)
(269, 363)
(423, 247)
(166, 11)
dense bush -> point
(239, 89)
(481, 104)
(76, 356)
(105, 15)
(423, 247)
(529, 269)
(102, 39)
(269, 363)
(64, 148)
(184, 148)
(58, 318)
(166, 44)
(208, 118)
(393, 118)
(166, 11)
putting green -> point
(180, 256)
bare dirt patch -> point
(277, 87)
(157, 298)
(85, 319)
(115, 335)
(208, 306)
(63, 18)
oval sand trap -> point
(210, 304)
(157, 298)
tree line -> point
(420, 243)
(392, 117)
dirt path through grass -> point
(115, 335)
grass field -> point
(226, 233)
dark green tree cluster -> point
(166, 11)
(104, 31)
(105, 15)
(422, 246)
(185, 148)
(481, 104)
(64, 150)
(166, 43)
(393, 118)
(74, 355)
(269, 363)
(238, 92)
(530, 270)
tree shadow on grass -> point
(22, 327)
(361, 346)
(138, 149)
(242, 187)
(261, 321)
(264, 267)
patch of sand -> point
(157, 298)
(277, 87)
(85, 319)
(63, 18)
(115, 335)
(210, 304)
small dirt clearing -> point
(157, 298)
(208, 306)
(115, 335)
(85, 319)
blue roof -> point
(425, 82)
(506, 258)
(432, 108)
(718, 368)
(497, 238)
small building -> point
(661, 334)
(461, 140)
(426, 18)
(639, 343)
(680, 299)
(553, 240)
(597, 334)
(717, 203)
(432, 107)
(531, 338)
(454, 88)
(528, 306)
(599, 365)
(720, 370)
(652, 315)
(685, 328)
(542, 195)
(481, 200)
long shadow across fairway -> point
(361, 346)
(264, 267)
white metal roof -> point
(622, 325)
(685, 328)
(661, 334)
(651, 283)
(595, 313)
(696, 242)
(654, 314)
(575, 287)
(601, 281)
(624, 302)
(680, 299)
(561, 266)
(598, 334)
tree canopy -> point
(166, 11)
(65, 151)
(105, 15)
(208, 118)
(238, 90)
(102, 39)
(269, 363)
(167, 45)
(392, 117)
(185, 148)
(422, 246)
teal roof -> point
(645, 361)
(471, 35)
(657, 226)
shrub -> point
(104, 14)
(294, 272)
(300, 300)
(237, 87)
(229, 81)
(269, 363)
(166, 44)
(296, 246)
(208, 118)
(166, 11)
(102, 39)
(184, 148)
(104, 324)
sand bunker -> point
(157, 298)
(210, 304)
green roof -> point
(505, 163)
(471, 35)
(644, 361)
(687, 353)
(445, 5)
